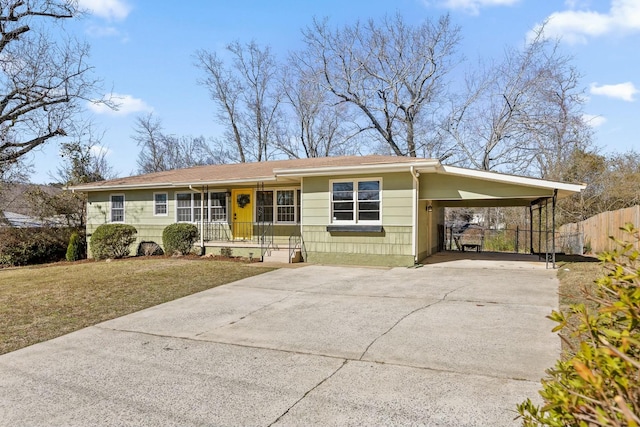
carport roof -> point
(460, 187)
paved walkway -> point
(454, 343)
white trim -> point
(166, 193)
(275, 204)
(202, 206)
(124, 208)
(357, 169)
(355, 201)
(414, 214)
(511, 179)
(162, 185)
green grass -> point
(577, 275)
(43, 302)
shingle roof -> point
(258, 171)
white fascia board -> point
(170, 184)
(357, 169)
(513, 179)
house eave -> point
(429, 166)
(149, 186)
(564, 188)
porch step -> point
(282, 255)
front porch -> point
(265, 240)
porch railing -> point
(236, 231)
(296, 243)
(266, 238)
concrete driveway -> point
(454, 343)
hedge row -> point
(24, 246)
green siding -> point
(397, 196)
(392, 247)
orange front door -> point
(242, 211)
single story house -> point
(367, 210)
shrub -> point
(25, 246)
(598, 384)
(77, 248)
(149, 249)
(179, 238)
(112, 240)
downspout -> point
(201, 216)
(414, 214)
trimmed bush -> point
(179, 238)
(112, 241)
(77, 248)
(598, 384)
(25, 246)
(149, 249)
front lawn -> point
(43, 302)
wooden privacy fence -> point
(598, 228)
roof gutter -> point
(358, 169)
(414, 213)
(171, 184)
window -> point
(286, 209)
(189, 207)
(160, 206)
(264, 206)
(183, 207)
(117, 208)
(197, 210)
(280, 206)
(355, 201)
(218, 207)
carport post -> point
(531, 229)
(553, 226)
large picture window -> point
(117, 208)
(189, 207)
(356, 201)
(278, 205)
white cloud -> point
(593, 120)
(576, 26)
(126, 104)
(473, 6)
(109, 9)
(625, 91)
(99, 150)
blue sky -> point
(143, 51)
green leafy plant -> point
(226, 252)
(25, 246)
(77, 248)
(179, 238)
(112, 241)
(598, 384)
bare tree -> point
(84, 158)
(318, 127)
(521, 115)
(393, 73)
(247, 96)
(42, 78)
(160, 151)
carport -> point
(453, 187)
